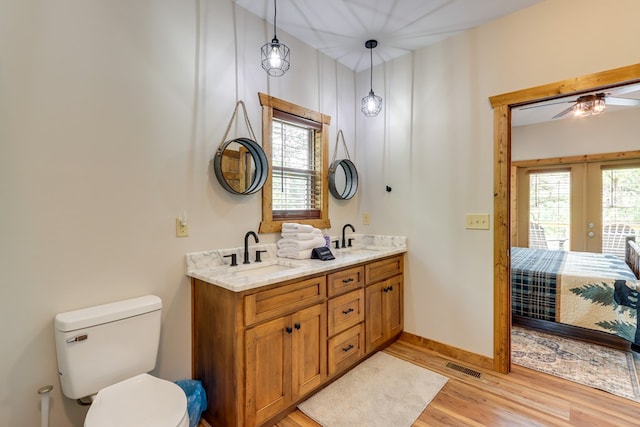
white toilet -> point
(108, 350)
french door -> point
(588, 206)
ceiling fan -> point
(594, 103)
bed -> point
(596, 292)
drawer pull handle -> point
(297, 326)
(388, 289)
(350, 279)
(347, 348)
(289, 329)
(347, 311)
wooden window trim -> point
(270, 106)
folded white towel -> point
(295, 244)
(302, 236)
(294, 254)
(297, 228)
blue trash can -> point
(196, 399)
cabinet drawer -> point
(383, 269)
(346, 348)
(345, 281)
(284, 299)
(345, 311)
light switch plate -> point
(181, 230)
(366, 219)
(477, 221)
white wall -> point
(109, 116)
(433, 144)
(610, 132)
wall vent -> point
(464, 370)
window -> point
(549, 209)
(295, 140)
(620, 208)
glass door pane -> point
(550, 209)
(620, 208)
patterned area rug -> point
(382, 391)
(592, 365)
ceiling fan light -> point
(599, 106)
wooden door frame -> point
(502, 105)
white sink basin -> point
(361, 250)
(262, 268)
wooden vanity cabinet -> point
(286, 359)
(384, 302)
(260, 352)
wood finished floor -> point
(522, 398)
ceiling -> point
(545, 111)
(339, 28)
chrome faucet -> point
(343, 232)
(246, 245)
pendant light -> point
(371, 104)
(275, 55)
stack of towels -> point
(298, 240)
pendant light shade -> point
(371, 104)
(275, 55)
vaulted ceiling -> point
(339, 28)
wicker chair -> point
(614, 238)
(537, 238)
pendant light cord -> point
(275, 13)
(370, 69)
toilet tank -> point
(102, 345)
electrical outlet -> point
(365, 218)
(182, 230)
(477, 221)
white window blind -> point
(296, 164)
(549, 209)
(620, 208)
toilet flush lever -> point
(77, 338)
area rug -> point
(382, 391)
(592, 365)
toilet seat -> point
(137, 402)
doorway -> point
(502, 105)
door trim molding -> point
(502, 105)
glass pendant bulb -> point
(275, 55)
(371, 104)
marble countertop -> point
(212, 267)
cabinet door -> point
(268, 380)
(309, 353)
(374, 325)
(393, 313)
(385, 314)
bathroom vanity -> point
(268, 335)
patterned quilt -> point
(593, 291)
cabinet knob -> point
(297, 326)
(347, 348)
(289, 329)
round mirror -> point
(241, 166)
(343, 179)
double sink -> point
(206, 265)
